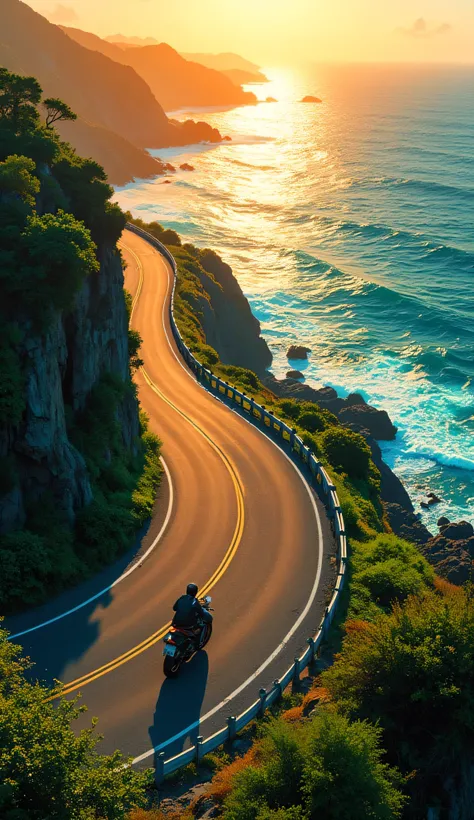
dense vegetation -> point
(392, 728)
(47, 770)
(55, 216)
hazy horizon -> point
(277, 32)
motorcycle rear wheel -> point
(171, 667)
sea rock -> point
(170, 168)
(271, 99)
(458, 532)
(310, 99)
(364, 416)
(205, 808)
(442, 522)
(166, 182)
(430, 500)
(297, 352)
(452, 551)
(187, 167)
(226, 139)
(295, 374)
(190, 132)
(404, 523)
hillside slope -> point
(175, 82)
(118, 114)
(222, 62)
(98, 90)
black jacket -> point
(188, 612)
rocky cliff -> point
(228, 322)
(62, 365)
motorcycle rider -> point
(189, 614)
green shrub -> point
(386, 570)
(347, 451)
(144, 495)
(312, 421)
(59, 255)
(412, 671)
(17, 176)
(170, 237)
(326, 767)
(48, 769)
(26, 565)
(134, 345)
(103, 531)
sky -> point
(282, 32)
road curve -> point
(234, 515)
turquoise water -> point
(349, 227)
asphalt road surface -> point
(234, 515)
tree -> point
(57, 110)
(19, 97)
(48, 771)
(413, 672)
(17, 177)
(347, 451)
(134, 345)
(324, 768)
(58, 255)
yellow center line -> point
(217, 575)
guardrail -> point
(317, 477)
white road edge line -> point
(295, 626)
(122, 577)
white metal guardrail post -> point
(325, 488)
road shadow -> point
(64, 641)
(178, 709)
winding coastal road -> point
(234, 515)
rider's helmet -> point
(192, 589)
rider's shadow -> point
(178, 708)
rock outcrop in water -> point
(298, 352)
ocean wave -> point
(428, 249)
(430, 187)
(456, 461)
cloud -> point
(62, 14)
(421, 29)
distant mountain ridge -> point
(131, 41)
(239, 76)
(118, 114)
(223, 62)
(175, 82)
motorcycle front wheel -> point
(207, 635)
(171, 667)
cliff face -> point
(62, 365)
(227, 320)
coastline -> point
(232, 333)
(233, 330)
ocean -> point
(349, 225)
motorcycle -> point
(181, 643)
